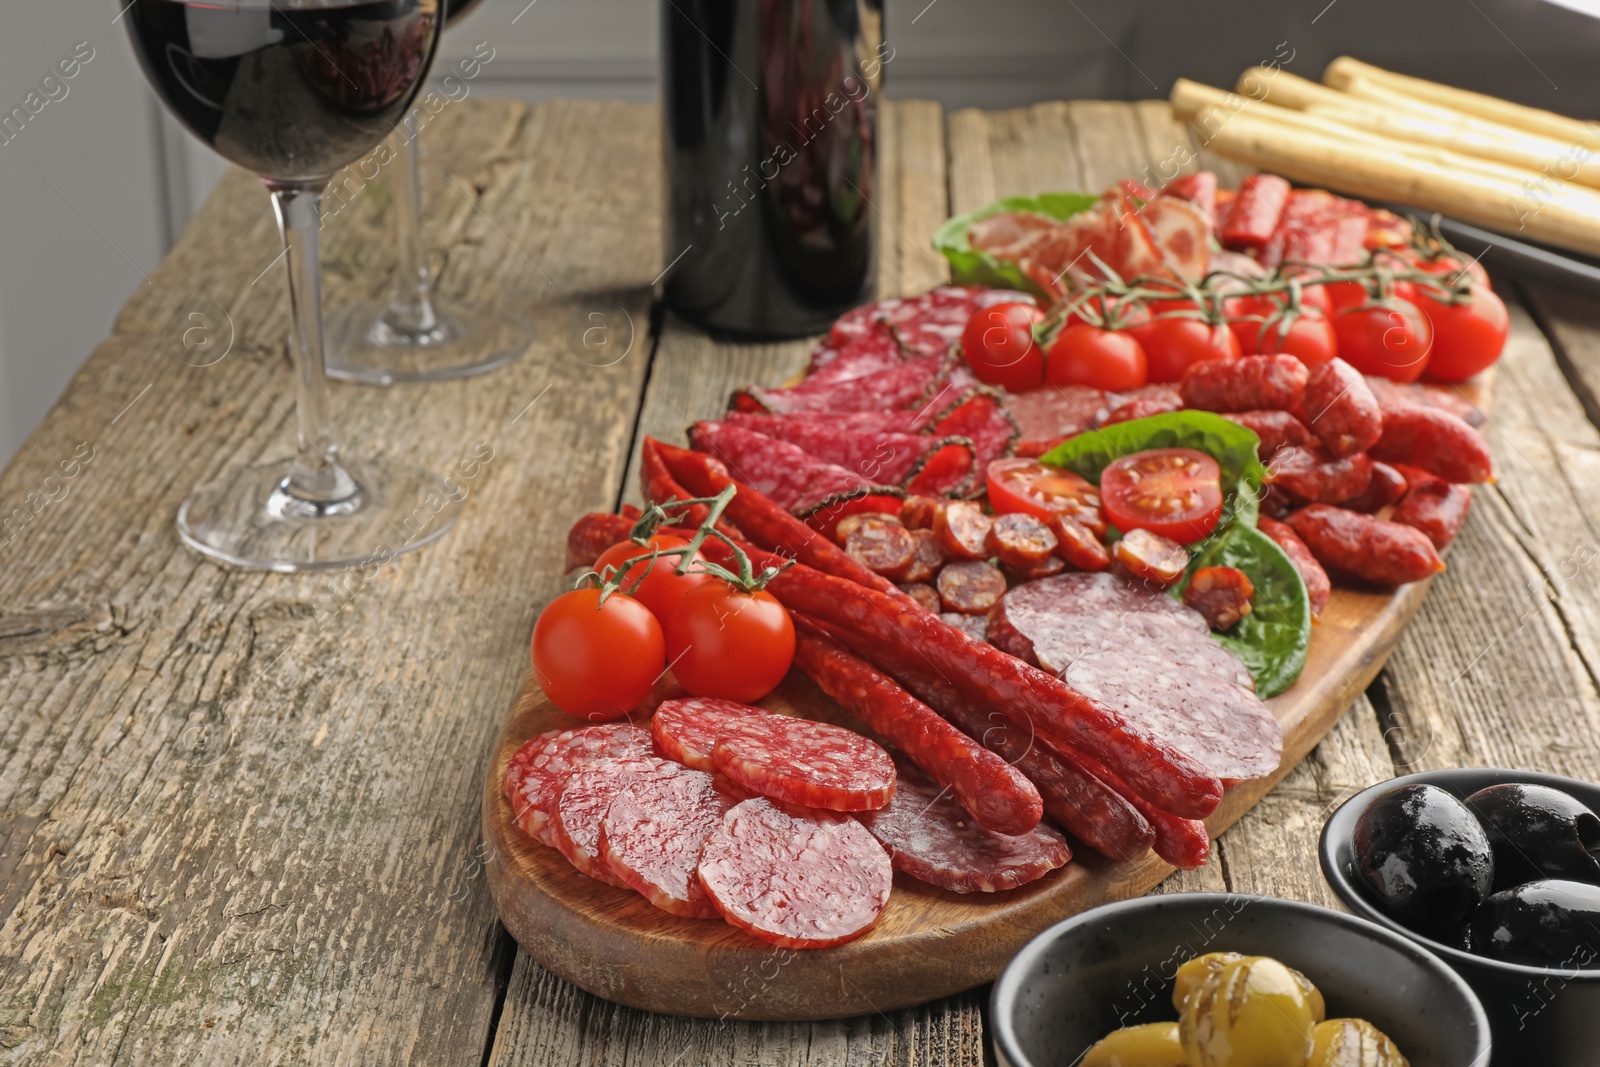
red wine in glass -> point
(294, 90)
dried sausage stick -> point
(996, 794)
(1170, 779)
(768, 525)
(1435, 441)
(1318, 587)
(1085, 807)
(1253, 383)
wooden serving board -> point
(928, 943)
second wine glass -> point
(414, 334)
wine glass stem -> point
(413, 283)
(316, 478)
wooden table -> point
(239, 812)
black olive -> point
(1538, 832)
(1425, 857)
(1549, 923)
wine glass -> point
(294, 90)
(415, 335)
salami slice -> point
(795, 480)
(983, 420)
(926, 324)
(519, 761)
(686, 730)
(796, 878)
(933, 839)
(901, 386)
(653, 833)
(921, 463)
(1046, 417)
(798, 761)
(856, 358)
(1150, 658)
(546, 770)
(582, 803)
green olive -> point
(1352, 1043)
(1253, 1012)
(1192, 975)
(1151, 1045)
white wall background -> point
(98, 183)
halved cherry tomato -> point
(597, 661)
(1391, 339)
(1467, 337)
(1089, 355)
(724, 642)
(1000, 349)
(661, 589)
(1173, 345)
(1025, 485)
(1174, 492)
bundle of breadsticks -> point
(1387, 136)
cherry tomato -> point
(1174, 492)
(1026, 485)
(597, 661)
(1316, 296)
(1343, 295)
(1467, 337)
(1172, 346)
(661, 589)
(1310, 339)
(724, 642)
(1000, 349)
(1450, 265)
(1391, 339)
(1089, 355)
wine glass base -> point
(245, 518)
(364, 345)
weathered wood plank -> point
(546, 1020)
(241, 810)
(1499, 667)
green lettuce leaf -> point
(1231, 445)
(969, 266)
(1272, 640)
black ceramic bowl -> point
(1540, 1016)
(1112, 966)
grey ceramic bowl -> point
(1540, 1016)
(1112, 966)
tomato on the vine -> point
(1468, 336)
(1174, 492)
(1173, 345)
(1391, 339)
(1026, 485)
(1096, 357)
(724, 642)
(1450, 265)
(1271, 331)
(1000, 349)
(1127, 313)
(597, 660)
(661, 588)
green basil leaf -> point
(970, 266)
(1273, 638)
